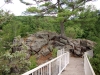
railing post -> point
(63, 51)
(59, 64)
(49, 68)
(65, 59)
(32, 73)
(41, 71)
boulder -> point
(38, 44)
(37, 56)
(83, 42)
(78, 53)
(50, 47)
(29, 40)
(63, 41)
(90, 44)
(52, 35)
(45, 51)
(68, 47)
(42, 34)
(87, 43)
(76, 42)
(57, 43)
(90, 53)
(58, 47)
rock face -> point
(42, 43)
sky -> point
(17, 8)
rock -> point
(50, 58)
(42, 34)
(63, 41)
(58, 47)
(90, 53)
(14, 69)
(50, 47)
(83, 42)
(37, 44)
(77, 47)
(83, 49)
(52, 35)
(90, 44)
(87, 43)
(18, 41)
(37, 56)
(15, 48)
(29, 40)
(68, 47)
(27, 56)
(76, 42)
(78, 53)
(50, 42)
(57, 43)
(45, 51)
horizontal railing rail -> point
(53, 67)
(87, 66)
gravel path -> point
(75, 67)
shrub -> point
(33, 62)
(54, 52)
(95, 61)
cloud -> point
(16, 7)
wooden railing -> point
(53, 67)
(87, 66)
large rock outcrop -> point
(42, 43)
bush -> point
(14, 63)
(33, 62)
(74, 32)
(54, 52)
(95, 61)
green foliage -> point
(33, 10)
(95, 61)
(54, 52)
(4, 17)
(16, 61)
(74, 31)
(46, 4)
(33, 62)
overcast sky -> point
(17, 8)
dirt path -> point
(75, 67)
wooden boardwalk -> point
(75, 67)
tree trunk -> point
(62, 29)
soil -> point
(44, 59)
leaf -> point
(33, 10)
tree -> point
(87, 19)
(64, 9)
(4, 17)
(15, 62)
